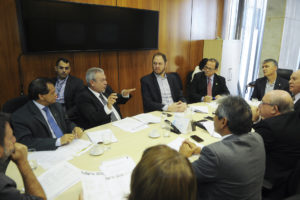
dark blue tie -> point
(55, 128)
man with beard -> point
(162, 91)
(10, 150)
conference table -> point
(128, 144)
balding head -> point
(295, 82)
(276, 102)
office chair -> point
(13, 104)
(284, 73)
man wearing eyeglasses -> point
(66, 87)
(207, 86)
(270, 81)
(279, 127)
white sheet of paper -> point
(48, 159)
(97, 136)
(58, 179)
(117, 167)
(175, 144)
(147, 118)
(209, 125)
(181, 123)
(202, 109)
(130, 125)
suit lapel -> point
(67, 88)
(156, 87)
(263, 87)
(277, 83)
(38, 115)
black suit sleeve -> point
(197, 88)
(263, 129)
(223, 87)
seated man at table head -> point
(279, 129)
(98, 103)
(295, 89)
(234, 167)
(270, 81)
(163, 173)
(161, 91)
(10, 150)
(41, 123)
(207, 86)
(66, 86)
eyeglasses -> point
(264, 103)
(207, 68)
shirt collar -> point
(40, 106)
(159, 76)
(226, 136)
(62, 80)
(97, 94)
(297, 97)
(211, 78)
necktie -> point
(112, 115)
(55, 128)
(209, 92)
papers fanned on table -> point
(175, 144)
(48, 159)
(58, 179)
(130, 125)
(147, 118)
(113, 182)
(97, 136)
(209, 125)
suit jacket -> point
(73, 87)
(198, 88)
(91, 110)
(260, 86)
(282, 143)
(31, 128)
(151, 94)
(231, 169)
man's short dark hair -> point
(215, 61)
(4, 118)
(237, 112)
(202, 63)
(160, 54)
(38, 86)
(275, 63)
(62, 59)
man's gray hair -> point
(90, 74)
(237, 112)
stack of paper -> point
(200, 109)
(209, 125)
(48, 159)
(130, 125)
(175, 144)
(113, 182)
(58, 179)
(97, 136)
(147, 118)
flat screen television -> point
(58, 26)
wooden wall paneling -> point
(9, 51)
(220, 9)
(82, 62)
(109, 63)
(135, 64)
(174, 34)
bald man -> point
(279, 129)
(295, 89)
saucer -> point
(154, 134)
(96, 151)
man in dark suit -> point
(207, 85)
(67, 87)
(279, 129)
(97, 103)
(270, 81)
(232, 168)
(41, 123)
(161, 91)
(10, 150)
(295, 89)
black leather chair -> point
(284, 73)
(13, 104)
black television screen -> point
(57, 26)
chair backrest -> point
(284, 73)
(13, 104)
